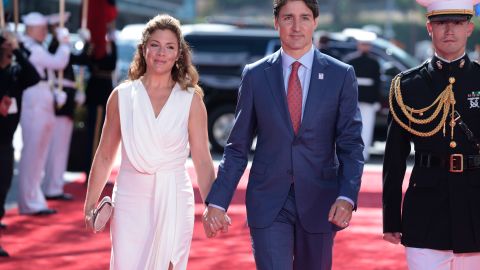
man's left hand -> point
(341, 213)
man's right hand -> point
(393, 238)
(215, 220)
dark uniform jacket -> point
(100, 84)
(13, 80)
(441, 209)
(366, 67)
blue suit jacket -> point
(324, 160)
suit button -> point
(289, 172)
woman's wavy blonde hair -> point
(183, 72)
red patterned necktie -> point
(294, 97)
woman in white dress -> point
(159, 116)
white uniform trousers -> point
(432, 259)
(37, 121)
(57, 158)
(368, 112)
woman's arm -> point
(104, 157)
(198, 138)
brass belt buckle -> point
(456, 163)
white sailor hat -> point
(55, 18)
(449, 10)
(34, 19)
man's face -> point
(37, 32)
(363, 46)
(295, 24)
(6, 53)
(449, 38)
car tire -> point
(220, 123)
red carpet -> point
(61, 242)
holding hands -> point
(215, 220)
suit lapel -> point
(315, 91)
(274, 75)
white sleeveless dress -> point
(153, 219)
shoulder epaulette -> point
(415, 69)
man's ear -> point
(429, 28)
(470, 28)
(275, 23)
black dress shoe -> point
(3, 253)
(61, 197)
(44, 212)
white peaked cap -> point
(34, 19)
(444, 7)
(55, 18)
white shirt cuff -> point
(216, 206)
(346, 199)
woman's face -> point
(161, 51)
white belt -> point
(365, 81)
(67, 83)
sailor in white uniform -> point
(38, 117)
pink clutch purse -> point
(101, 214)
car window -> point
(225, 55)
(396, 52)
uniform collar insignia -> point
(441, 63)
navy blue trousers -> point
(285, 245)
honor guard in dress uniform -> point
(15, 76)
(38, 116)
(436, 107)
(367, 70)
(59, 148)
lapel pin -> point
(320, 76)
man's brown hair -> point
(311, 4)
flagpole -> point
(83, 23)
(2, 15)
(15, 15)
(62, 24)
(83, 26)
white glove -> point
(60, 97)
(62, 34)
(80, 98)
(84, 34)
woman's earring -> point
(176, 65)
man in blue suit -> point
(305, 175)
